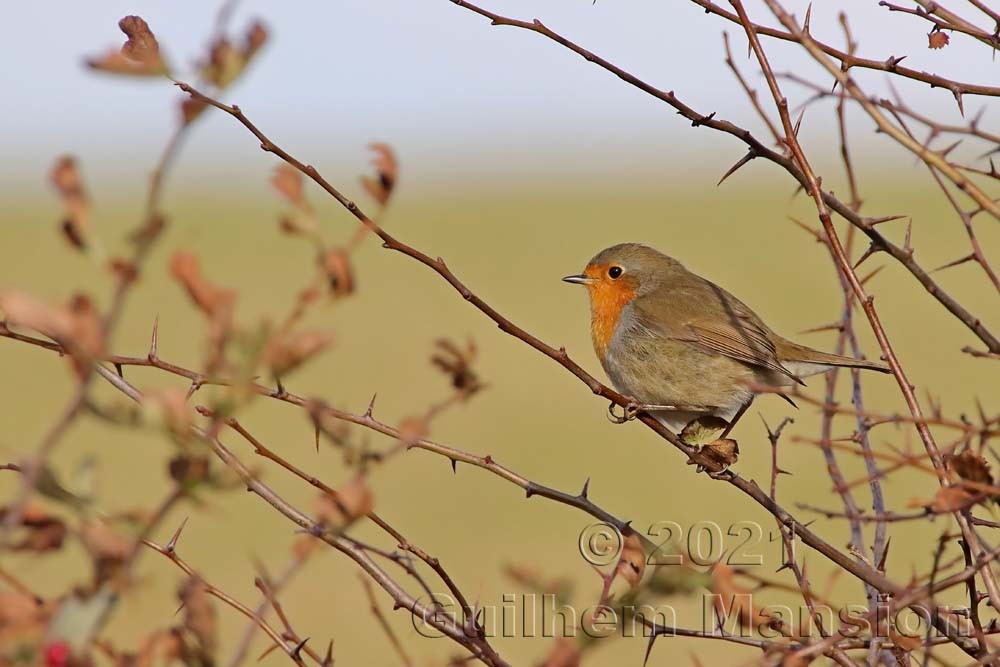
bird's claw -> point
(629, 412)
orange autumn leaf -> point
(353, 501)
(937, 40)
(286, 352)
(139, 55)
(65, 176)
(386, 169)
(209, 298)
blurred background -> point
(518, 161)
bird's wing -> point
(706, 316)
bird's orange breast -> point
(607, 300)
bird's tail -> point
(804, 361)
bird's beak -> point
(578, 279)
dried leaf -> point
(65, 176)
(76, 326)
(716, 456)
(191, 108)
(169, 407)
(970, 466)
(86, 331)
(457, 363)
(386, 168)
(199, 616)
(336, 266)
(632, 562)
(125, 270)
(304, 546)
(287, 180)
(412, 429)
(141, 44)
(227, 62)
(224, 63)
(937, 40)
(107, 547)
(42, 531)
(947, 499)
(139, 56)
(24, 310)
(206, 296)
(188, 470)
(15, 607)
(23, 623)
(353, 501)
(730, 598)
(906, 642)
(255, 38)
(702, 430)
(159, 648)
(286, 352)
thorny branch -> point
(965, 483)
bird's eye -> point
(615, 272)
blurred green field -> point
(511, 245)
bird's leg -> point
(736, 418)
(632, 410)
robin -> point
(681, 347)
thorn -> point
(892, 61)
(281, 387)
(958, 99)
(698, 122)
(872, 249)
(153, 339)
(172, 544)
(817, 234)
(297, 651)
(328, 658)
(371, 405)
(960, 260)
(454, 466)
(120, 371)
(586, 487)
(649, 647)
(871, 275)
(805, 24)
(798, 123)
(906, 241)
(990, 152)
(751, 154)
(195, 386)
(886, 218)
(885, 555)
(316, 434)
(944, 152)
(782, 471)
(798, 188)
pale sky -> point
(455, 97)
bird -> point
(680, 347)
